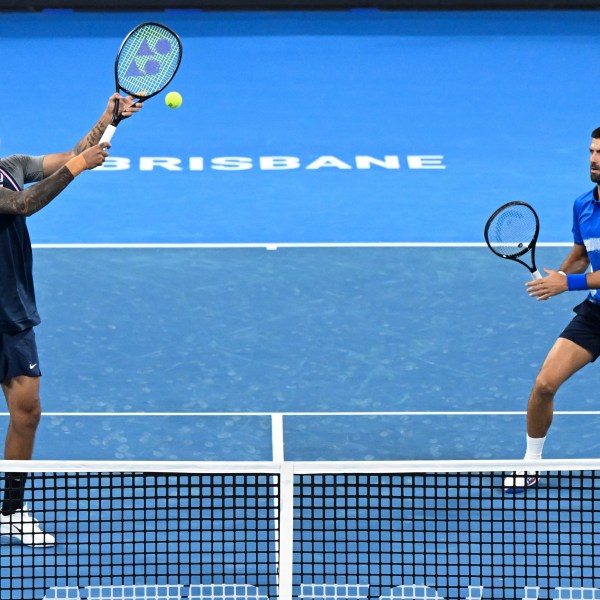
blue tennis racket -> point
(146, 63)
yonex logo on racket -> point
(148, 61)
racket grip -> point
(537, 275)
(108, 133)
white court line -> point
(277, 418)
(276, 245)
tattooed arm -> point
(35, 197)
(127, 107)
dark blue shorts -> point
(584, 329)
(18, 355)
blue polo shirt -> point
(586, 231)
(18, 309)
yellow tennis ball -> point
(173, 99)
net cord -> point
(299, 467)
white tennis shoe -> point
(519, 481)
(23, 527)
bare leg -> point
(564, 359)
(23, 400)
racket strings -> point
(148, 60)
(511, 232)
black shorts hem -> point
(19, 355)
(584, 328)
(591, 348)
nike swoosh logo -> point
(32, 366)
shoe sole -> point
(519, 489)
(19, 538)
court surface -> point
(324, 131)
(291, 266)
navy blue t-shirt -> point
(18, 310)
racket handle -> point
(537, 275)
(108, 133)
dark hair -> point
(596, 133)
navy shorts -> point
(18, 355)
(584, 329)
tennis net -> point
(390, 531)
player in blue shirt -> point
(579, 343)
(19, 364)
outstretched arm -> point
(126, 107)
(35, 197)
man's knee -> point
(27, 418)
(26, 415)
(544, 389)
(23, 400)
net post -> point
(286, 532)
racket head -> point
(512, 231)
(147, 60)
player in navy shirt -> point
(19, 363)
(579, 343)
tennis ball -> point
(173, 99)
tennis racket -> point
(512, 231)
(146, 62)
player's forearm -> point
(94, 135)
(575, 265)
(576, 262)
(32, 199)
(593, 280)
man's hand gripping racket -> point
(512, 232)
(146, 62)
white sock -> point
(534, 448)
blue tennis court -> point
(291, 265)
(326, 129)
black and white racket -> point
(512, 231)
(146, 62)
